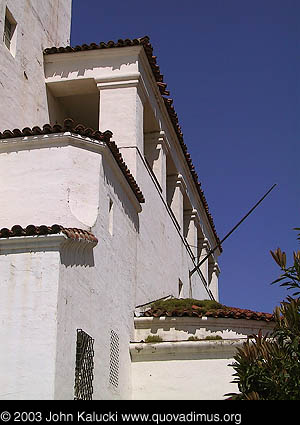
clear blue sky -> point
(232, 67)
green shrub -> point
(209, 338)
(185, 303)
(268, 368)
(153, 338)
(213, 337)
(193, 338)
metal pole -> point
(231, 231)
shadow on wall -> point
(111, 180)
(80, 67)
(77, 254)
(236, 326)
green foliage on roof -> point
(185, 303)
(153, 339)
(213, 337)
(208, 338)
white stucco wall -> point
(162, 257)
(52, 180)
(28, 318)
(182, 380)
(98, 296)
(196, 370)
(55, 178)
(40, 24)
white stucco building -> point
(101, 207)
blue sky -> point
(232, 67)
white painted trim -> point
(32, 243)
(186, 321)
(117, 84)
(123, 81)
(117, 78)
(51, 140)
(84, 54)
(55, 242)
(188, 350)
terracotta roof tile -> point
(69, 126)
(162, 86)
(31, 230)
(225, 312)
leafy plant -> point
(268, 367)
(208, 338)
(291, 275)
(185, 303)
(153, 338)
(193, 338)
(213, 337)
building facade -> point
(102, 209)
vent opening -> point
(114, 359)
(10, 34)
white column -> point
(191, 221)
(121, 111)
(214, 283)
(156, 155)
(203, 247)
(175, 191)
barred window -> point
(84, 366)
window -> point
(10, 34)
(84, 366)
(111, 217)
(180, 287)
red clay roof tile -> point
(225, 312)
(31, 230)
(145, 43)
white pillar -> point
(191, 221)
(121, 111)
(203, 247)
(214, 283)
(155, 151)
(175, 192)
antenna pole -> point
(231, 231)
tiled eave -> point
(162, 86)
(81, 130)
(227, 313)
(75, 234)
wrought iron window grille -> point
(83, 389)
